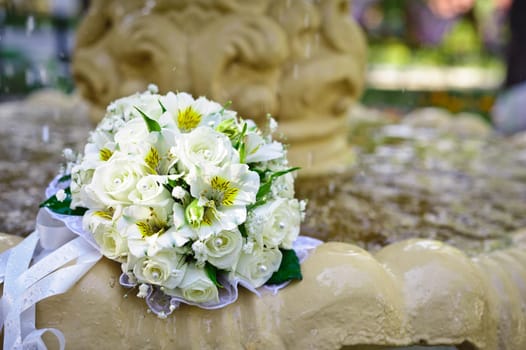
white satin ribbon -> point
(34, 270)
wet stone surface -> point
(466, 190)
(33, 134)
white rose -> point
(256, 268)
(149, 192)
(203, 147)
(112, 243)
(165, 269)
(196, 287)
(223, 249)
(134, 137)
(114, 180)
(275, 223)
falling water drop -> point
(295, 71)
(308, 50)
(45, 133)
(9, 70)
(30, 25)
(43, 75)
(317, 40)
(30, 77)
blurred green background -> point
(421, 53)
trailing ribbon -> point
(34, 270)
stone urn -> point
(303, 62)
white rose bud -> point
(275, 223)
(256, 268)
(114, 180)
(196, 287)
(149, 192)
(165, 269)
(110, 240)
(223, 249)
(134, 137)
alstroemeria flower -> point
(223, 193)
(259, 150)
(185, 114)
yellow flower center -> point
(107, 215)
(225, 191)
(105, 154)
(151, 226)
(152, 158)
(188, 119)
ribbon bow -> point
(34, 270)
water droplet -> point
(308, 50)
(30, 78)
(295, 71)
(218, 242)
(306, 21)
(30, 25)
(45, 133)
(262, 268)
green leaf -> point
(65, 178)
(150, 123)
(242, 152)
(289, 269)
(243, 230)
(163, 108)
(211, 271)
(264, 188)
(62, 207)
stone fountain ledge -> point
(34, 133)
(411, 292)
(415, 291)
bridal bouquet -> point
(189, 198)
